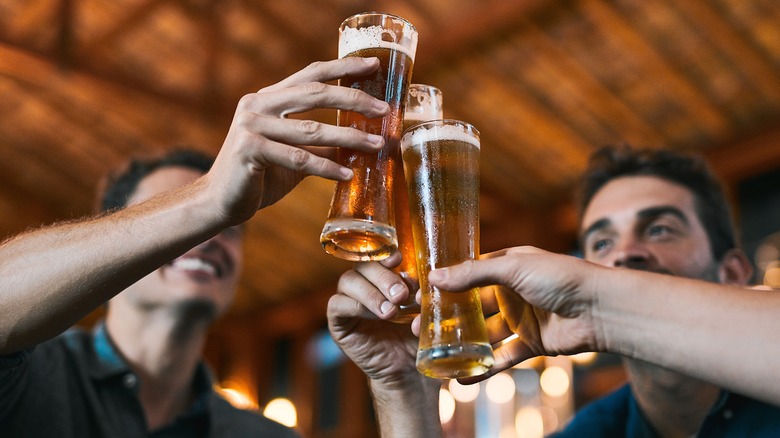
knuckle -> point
(356, 95)
(299, 158)
(346, 280)
(316, 65)
(246, 101)
(315, 88)
(310, 128)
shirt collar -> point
(723, 398)
(106, 361)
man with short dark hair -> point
(167, 256)
(654, 211)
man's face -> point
(647, 223)
(205, 277)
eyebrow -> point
(663, 210)
(596, 226)
(647, 213)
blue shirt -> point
(618, 415)
(77, 385)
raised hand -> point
(265, 154)
(539, 299)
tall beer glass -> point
(361, 223)
(423, 103)
(441, 164)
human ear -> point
(735, 268)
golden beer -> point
(441, 165)
(423, 103)
(361, 223)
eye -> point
(658, 230)
(600, 245)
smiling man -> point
(141, 368)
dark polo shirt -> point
(76, 385)
(618, 415)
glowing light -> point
(446, 406)
(529, 423)
(772, 275)
(554, 381)
(583, 358)
(282, 411)
(236, 397)
(500, 388)
(463, 393)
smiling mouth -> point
(192, 264)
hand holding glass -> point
(361, 223)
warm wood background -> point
(87, 83)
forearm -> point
(54, 276)
(409, 413)
(722, 334)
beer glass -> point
(423, 103)
(441, 165)
(361, 223)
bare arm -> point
(406, 402)
(52, 277)
(412, 412)
(561, 305)
(722, 334)
(55, 276)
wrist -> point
(409, 410)
(595, 296)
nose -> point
(631, 254)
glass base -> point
(358, 240)
(455, 361)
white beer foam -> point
(352, 40)
(424, 133)
(423, 115)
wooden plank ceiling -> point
(87, 83)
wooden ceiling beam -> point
(621, 32)
(303, 54)
(134, 17)
(578, 80)
(63, 49)
(462, 40)
(731, 43)
(115, 79)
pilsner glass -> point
(441, 164)
(361, 223)
(423, 103)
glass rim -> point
(409, 137)
(378, 13)
(443, 121)
(426, 87)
